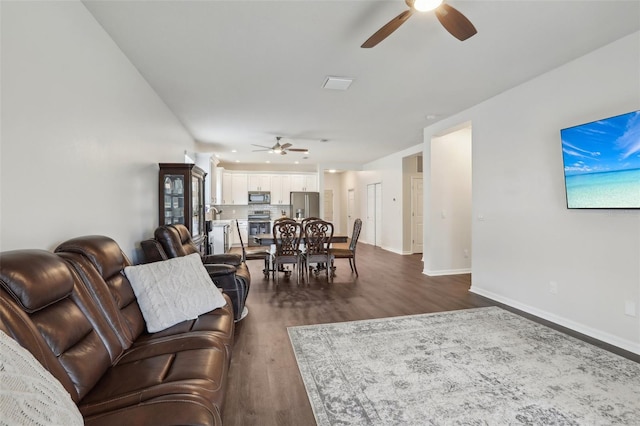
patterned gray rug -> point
(482, 366)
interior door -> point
(417, 196)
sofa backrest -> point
(153, 251)
(100, 263)
(46, 308)
(175, 240)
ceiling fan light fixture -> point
(426, 5)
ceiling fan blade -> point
(262, 146)
(387, 29)
(285, 146)
(455, 22)
(260, 150)
(298, 150)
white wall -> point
(448, 242)
(82, 132)
(523, 235)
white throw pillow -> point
(29, 394)
(174, 290)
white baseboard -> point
(446, 272)
(393, 250)
(580, 328)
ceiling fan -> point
(451, 19)
(280, 149)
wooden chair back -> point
(317, 235)
(286, 235)
(357, 227)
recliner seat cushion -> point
(189, 365)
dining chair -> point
(306, 220)
(286, 236)
(317, 236)
(349, 253)
(254, 253)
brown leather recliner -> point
(175, 241)
(77, 313)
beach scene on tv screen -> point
(602, 163)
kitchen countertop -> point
(221, 222)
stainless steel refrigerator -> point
(305, 204)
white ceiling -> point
(238, 72)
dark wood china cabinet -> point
(181, 196)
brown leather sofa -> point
(76, 312)
(175, 241)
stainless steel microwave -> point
(259, 197)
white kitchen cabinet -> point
(234, 188)
(259, 182)
(216, 182)
(227, 178)
(311, 183)
(304, 183)
(280, 189)
(239, 189)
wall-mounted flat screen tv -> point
(602, 163)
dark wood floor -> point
(264, 385)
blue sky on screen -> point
(607, 145)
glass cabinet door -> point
(173, 199)
(181, 199)
(196, 197)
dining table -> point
(267, 239)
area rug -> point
(482, 366)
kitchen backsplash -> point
(241, 212)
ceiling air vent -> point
(337, 83)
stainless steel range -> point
(259, 223)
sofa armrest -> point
(228, 259)
(219, 269)
(224, 277)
